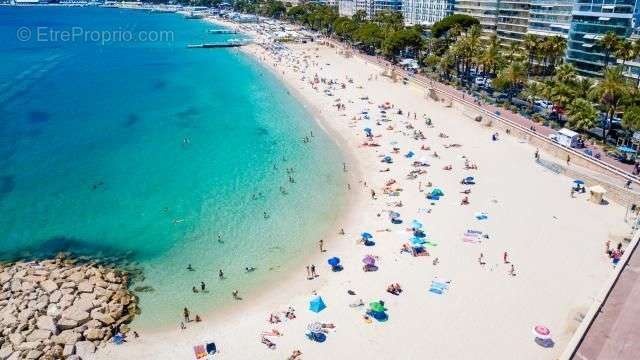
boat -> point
(216, 45)
(222, 31)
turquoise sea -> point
(148, 150)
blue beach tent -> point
(317, 304)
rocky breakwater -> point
(61, 309)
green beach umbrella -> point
(376, 307)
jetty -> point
(222, 31)
(216, 45)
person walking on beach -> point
(568, 159)
(235, 295)
(504, 258)
(536, 155)
(313, 271)
(321, 245)
(512, 271)
(373, 194)
(308, 272)
(220, 274)
(481, 259)
(185, 313)
(202, 286)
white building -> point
(425, 12)
(370, 7)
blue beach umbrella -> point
(317, 304)
(366, 235)
(415, 224)
(367, 130)
(417, 241)
(334, 261)
(578, 182)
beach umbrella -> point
(541, 332)
(377, 307)
(415, 224)
(334, 261)
(578, 182)
(366, 235)
(394, 215)
(437, 192)
(367, 130)
(409, 154)
(417, 241)
(314, 327)
(317, 304)
(369, 260)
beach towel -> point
(200, 352)
(211, 348)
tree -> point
(400, 40)
(611, 91)
(631, 120)
(582, 115)
(625, 51)
(609, 43)
(532, 91)
(441, 27)
(511, 79)
(531, 44)
(370, 35)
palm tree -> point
(565, 73)
(491, 56)
(609, 43)
(583, 88)
(511, 78)
(611, 92)
(531, 44)
(625, 51)
(532, 91)
(631, 120)
(582, 115)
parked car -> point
(480, 81)
(544, 104)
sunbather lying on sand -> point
(273, 332)
(295, 355)
(269, 344)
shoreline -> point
(353, 176)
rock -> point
(53, 311)
(16, 339)
(103, 318)
(85, 287)
(46, 322)
(111, 277)
(65, 324)
(85, 349)
(38, 335)
(49, 286)
(27, 287)
(94, 334)
(34, 354)
(76, 277)
(66, 337)
(55, 296)
(14, 356)
(69, 350)
(29, 345)
(78, 315)
(5, 352)
(68, 285)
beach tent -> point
(317, 304)
(597, 193)
(437, 192)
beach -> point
(554, 240)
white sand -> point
(556, 243)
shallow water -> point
(149, 150)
